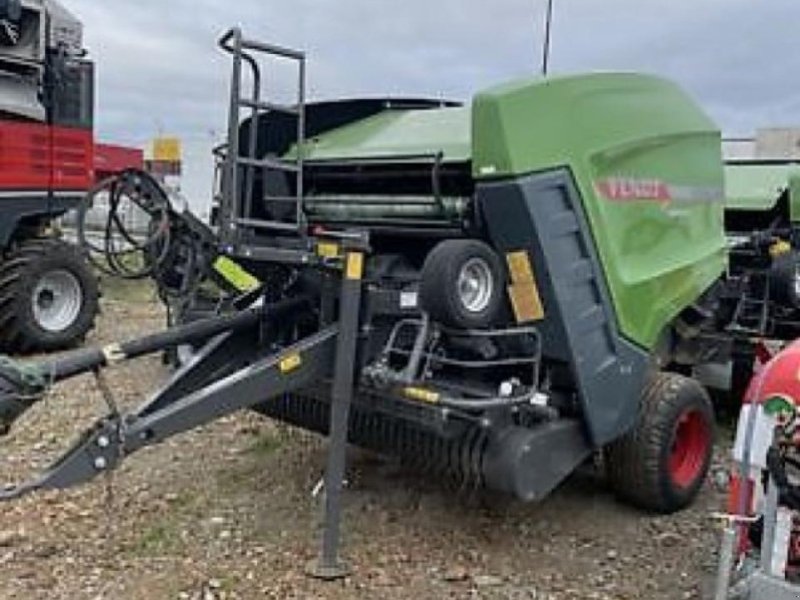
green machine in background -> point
(762, 221)
(759, 186)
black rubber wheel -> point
(48, 297)
(785, 280)
(661, 465)
(463, 285)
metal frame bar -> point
(265, 163)
(295, 367)
(301, 135)
(269, 106)
(231, 184)
(219, 358)
(329, 566)
(176, 409)
(265, 225)
(234, 43)
(431, 158)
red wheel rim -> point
(690, 447)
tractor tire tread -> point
(634, 462)
(16, 270)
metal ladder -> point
(752, 314)
(241, 164)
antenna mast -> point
(548, 31)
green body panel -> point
(758, 187)
(396, 134)
(647, 162)
(615, 133)
(794, 196)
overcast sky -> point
(159, 69)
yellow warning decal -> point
(780, 248)
(422, 395)
(523, 292)
(355, 266)
(519, 265)
(526, 302)
(328, 250)
(290, 363)
(235, 274)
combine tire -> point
(463, 285)
(662, 464)
(48, 297)
(785, 280)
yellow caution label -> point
(328, 250)
(355, 266)
(290, 363)
(519, 266)
(523, 292)
(780, 248)
(422, 395)
(236, 275)
(526, 302)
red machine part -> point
(780, 378)
(35, 156)
(794, 549)
(692, 439)
(110, 159)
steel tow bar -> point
(103, 447)
(233, 362)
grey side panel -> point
(20, 98)
(29, 50)
(531, 463)
(544, 215)
(65, 28)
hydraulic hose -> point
(176, 251)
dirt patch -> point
(227, 512)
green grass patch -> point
(131, 291)
(164, 535)
(243, 475)
(159, 539)
(265, 444)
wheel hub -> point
(57, 301)
(475, 285)
(690, 446)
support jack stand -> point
(329, 566)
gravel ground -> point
(226, 512)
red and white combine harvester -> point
(48, 293)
